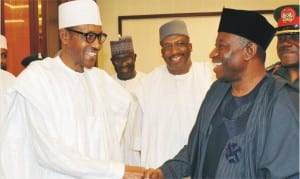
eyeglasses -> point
(169, 46)
(119, 61)
(285, 37)
(90, 37)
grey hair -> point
(260, 53)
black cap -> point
(27, 60)
(247, 24)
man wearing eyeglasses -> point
(171, 95)
(90, 38)
(66, 121)
(287, 17)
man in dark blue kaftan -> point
(248, 124)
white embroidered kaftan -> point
(63, 124)
(131, 156)
(130, 84)
(170, 104)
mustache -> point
(93, 49)
(285, 49)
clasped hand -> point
(133, 172)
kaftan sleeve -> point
(137, 128)
(29, 147)
(132, 136)
(178, 167)
(280, 157)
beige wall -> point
(145, 38)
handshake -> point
(133, 172)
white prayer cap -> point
(3, 43)
(78, 12)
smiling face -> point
(176, 52)
(77, 52)
(124, 65)
(288, 49)
(228, 56)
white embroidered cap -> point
(78, 12)
(3, 43)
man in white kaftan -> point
(66, 121)
(71, 122)
(6, 80)
(123, 59)
(4, 52)
(131, 154)
(170, 97)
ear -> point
(191, 47)
(64, 36)
(250, 50)
(161, 52)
